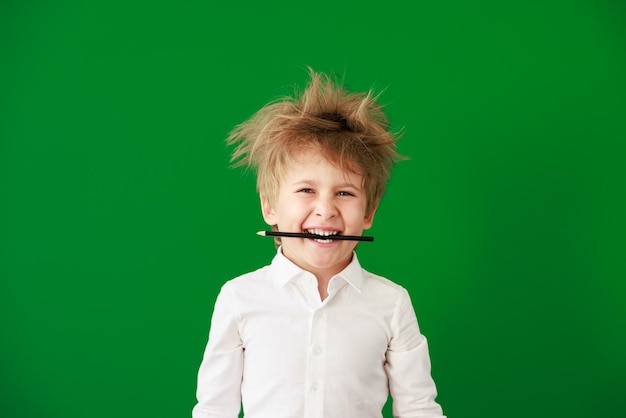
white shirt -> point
(278, 349)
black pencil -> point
(314, 236)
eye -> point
(305, 190)
(345, 193)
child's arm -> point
(220, 374)
(408, 366)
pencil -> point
(314, 236)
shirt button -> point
(314, 386)
(317, 350)
(318, 314)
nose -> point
(325, 207)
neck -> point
(322, 287)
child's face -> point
(316, 196)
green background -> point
(120, 219)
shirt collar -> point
(284, 270)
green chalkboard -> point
(120, 217)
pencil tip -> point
(261, 233)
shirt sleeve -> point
(412, 388)
(220, 374)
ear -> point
(269, 215)
(369, 218)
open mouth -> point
(323, 234)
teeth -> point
(322, 232)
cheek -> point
(292, 210)
(356, 216)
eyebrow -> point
(312, 183)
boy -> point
(313, 334)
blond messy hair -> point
(349, 129)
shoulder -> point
(383, 288)
(248, 286)
(381, 283)
(249, 279)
